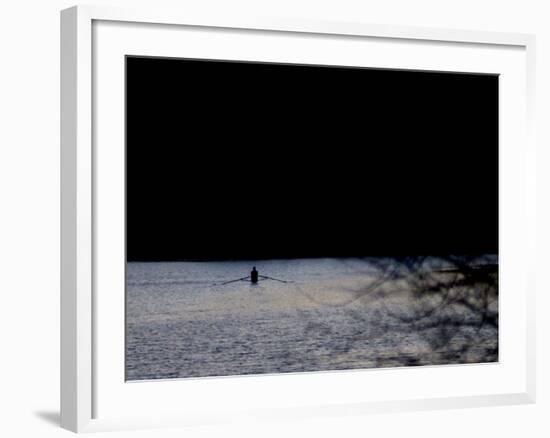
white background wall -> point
(29, 215)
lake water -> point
(333, 314)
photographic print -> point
(285, 218)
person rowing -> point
(254, 275)
(254, 278)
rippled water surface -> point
(333, 314)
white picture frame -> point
(86, 376)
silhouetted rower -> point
(254, 275)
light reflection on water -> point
(182, 323)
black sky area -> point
(235, 160)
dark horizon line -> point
(232, 259)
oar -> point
(234, 281)
(271, 278)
